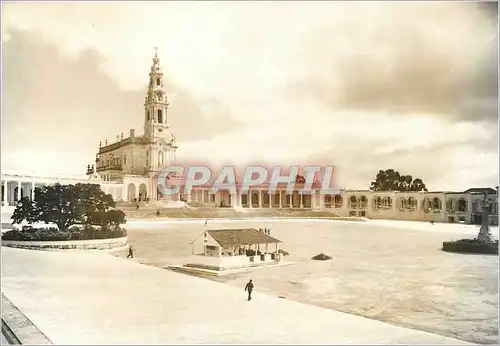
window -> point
(149, 117)
(160, 116)
(125, 159)
(160, 158)
(158, 81)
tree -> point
(67, 205)
(391, 180)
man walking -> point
(249, 289)
(130, 252)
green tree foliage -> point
(66, 205)
(391, 180)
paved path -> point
(90, 298)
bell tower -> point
(156, 105)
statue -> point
(484, 235)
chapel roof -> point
(245, 236)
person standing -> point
(249, 289)
(130, 252)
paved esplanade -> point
(88, 298)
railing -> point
(109, 168)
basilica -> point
(135, 162)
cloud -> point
(55, 102)
(437, 58)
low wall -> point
(228, 262)
(97, 244)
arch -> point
(131, 192)
(266, 200)
(436, 204)
(363, 202)
(377, 202)
(307, 200)
(402, 203)
(158, 82)
(412, 203)
(328, 201)
(277, 198)
(124, 159)
(255, 199)
(160, 116)
(295, 199)
(462, 205)
(244, 200)
(160, 158)
(451, 205)
(338, 201)
(143, 192)
(353, 202)
(387, 202)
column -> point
(32, 190)
(240, 201)
(18, 191)
(313, 199)
(281, 204)
(260, 198)
(6, 193)
(202, 196)
(301, 196)
(271, 199)
(249, 198)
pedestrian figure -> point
(249, 289)
(130, 252)
(137, 207)
(206, 222)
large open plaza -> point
(386, 270)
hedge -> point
(28, 233)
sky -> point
(363, 86)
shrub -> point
(321, 257)
(471, 246)
(85, 232)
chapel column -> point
(271, 200)
(260, 198)
(301, 198)
(281, 204)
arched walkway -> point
(266, 200)
(131, 192)
(338, 201)
(255, 200)
(143, 192)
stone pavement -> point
(91, 298)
